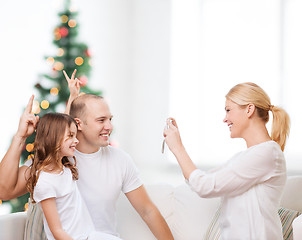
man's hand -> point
(28, 121)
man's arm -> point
(149, 213)
(19, 189)
(74, 88)
(12, 178)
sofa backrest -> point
(12, 226)
(292, 194)
(187, 215)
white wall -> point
(26, 36)
(131, 45)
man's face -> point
(96, 125)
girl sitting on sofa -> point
(251, 182)
(52, 181)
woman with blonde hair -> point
(252, 181)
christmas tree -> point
(52, 88)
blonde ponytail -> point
(280, 126)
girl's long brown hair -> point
(49, 138)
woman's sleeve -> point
(235, 178)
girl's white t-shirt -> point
(74, 216)
(251, 184)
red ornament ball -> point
(83, 80)
(63, 31)
(87, 53)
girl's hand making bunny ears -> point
(28, 121)
(73, 84)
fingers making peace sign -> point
(28, 121)
(73, 84)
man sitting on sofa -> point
(104, 171)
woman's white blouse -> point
(251, 184)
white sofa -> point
(186, 213)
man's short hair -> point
(78, 108)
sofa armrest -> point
(12, 226)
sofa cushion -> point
(129, 221)
(287, 217)
(12, 226)
(292, 195)
(187, 214)
(213, 231)
(192, 213)
(34, 229)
